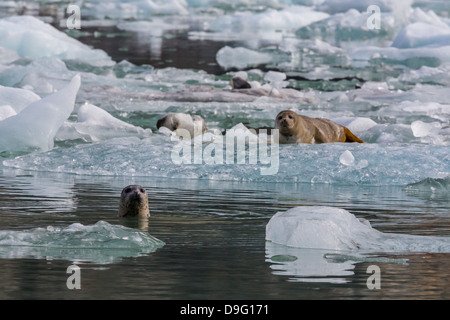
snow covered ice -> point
(402, 117)
(30, 37)
(337, 229)
(35, 126)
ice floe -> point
(35, 126)
(317, 227)
(100, 243)
(95, 124)
(30, 37)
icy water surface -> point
(78, 113)
(214, 235)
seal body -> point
(239, 83)
(134, 202)
(175, 121)
(294, 128)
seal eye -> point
(280, 117)
(142, 190)
(290, 117)
(127, 190)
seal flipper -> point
(350, 137)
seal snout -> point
(284, 122)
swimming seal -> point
(176, 121)
(134, 202)
(295, 128)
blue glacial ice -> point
(328, 228)
(373, 164)
(35, 126)
(100, 243)
(31, 37)
(17, 98)
(96, 124)
(402, 113)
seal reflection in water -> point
(134, 202)
(294, 128)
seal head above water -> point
(134, 202)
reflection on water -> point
(214, 235)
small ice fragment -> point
(166, 131)
(347, 158)
(423, 129)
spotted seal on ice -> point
(295, 128)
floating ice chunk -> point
(17, 98)
(356, 125)
(166, 131)
(387, 133)
(241, 74)
(320, 228)
(95, 124)
(432, 109)
(276, 79)
(261, 28)
(36, 126)
(429, 17)
(6, 112)
(317, 227)
(420, 35)
(347, 158)
(396, 164)
(43, 73)
(439, 75)
(241, 58)
(441, 53)
(436, 186)
(8, 56)
(291, 18)
(30, 37)
(423, 129)
(86, 243)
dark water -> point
(215, 240)
(173, 50)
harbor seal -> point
(238, 83)
(134, 202)
(294, 128)
(175, 121)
